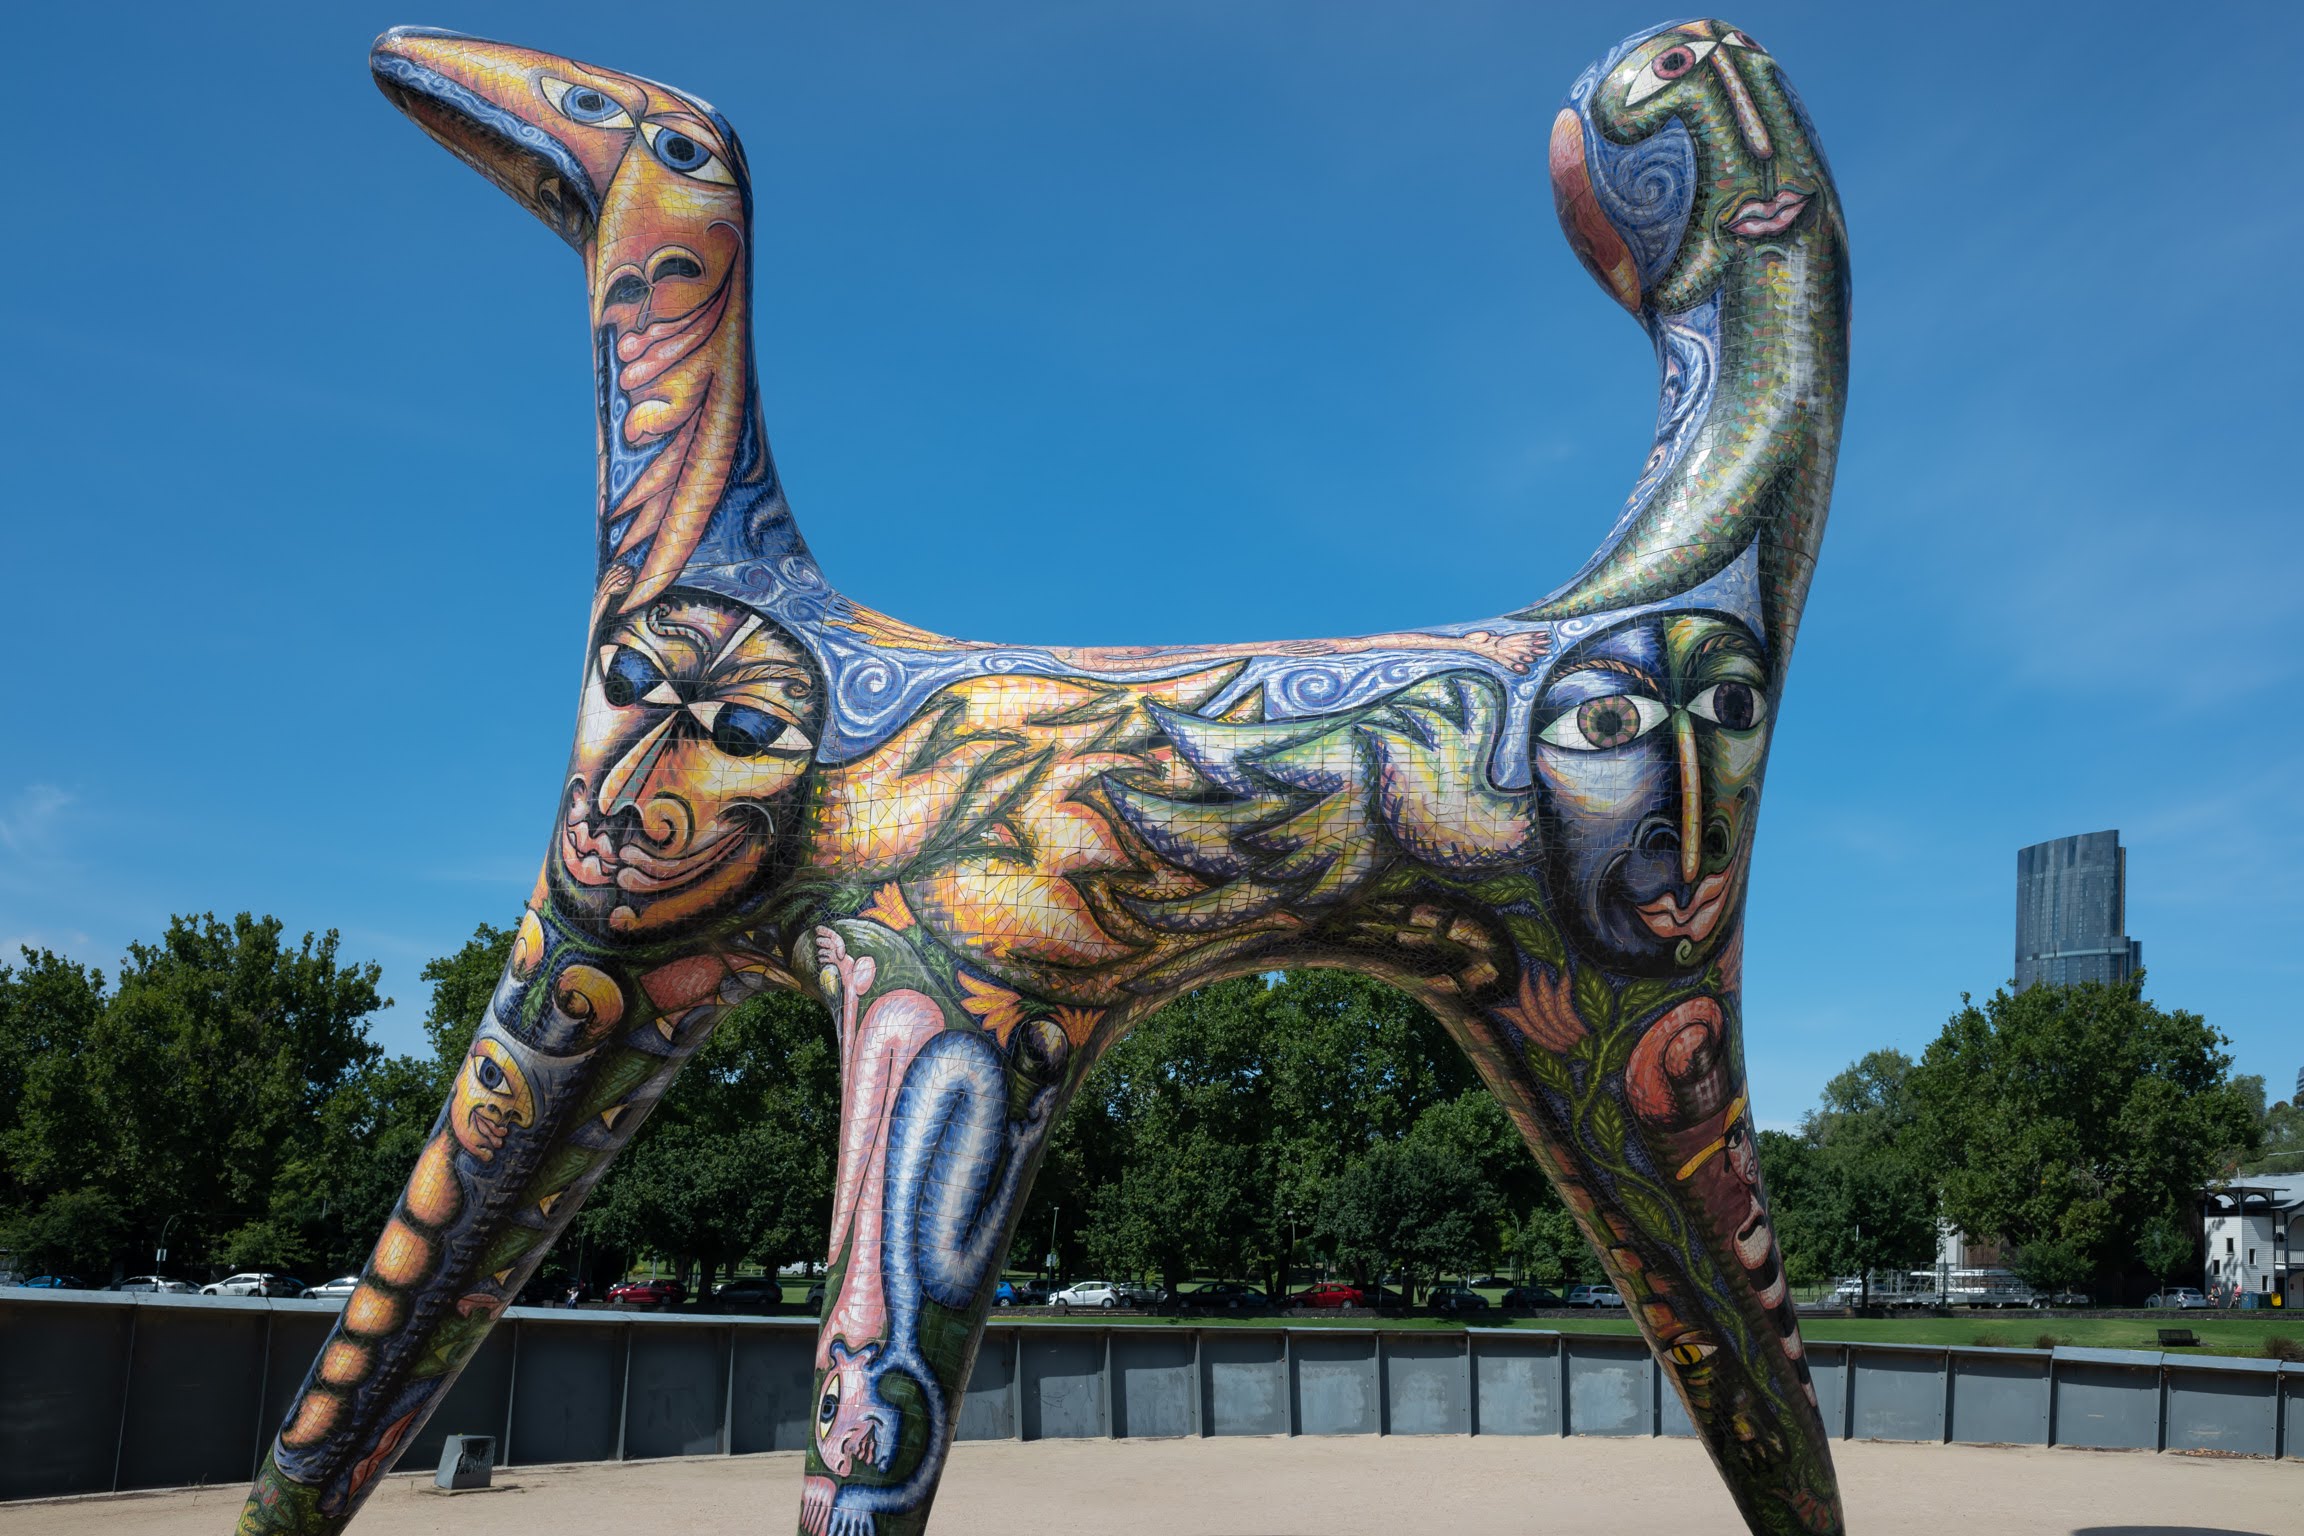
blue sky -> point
(1131, 323)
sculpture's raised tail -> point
(1691, 185)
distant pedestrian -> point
(575, 1294)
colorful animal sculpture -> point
(991, 860)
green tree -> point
(462, 985)
(2283, 1141)
(1408, 1203)
(2166, 1246)
(2063, 1119)
(174, 1098)
(1800, 1206)
(1873, 1202)
(736, 1163)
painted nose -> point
(1691, 798)
(626, 784)
(1749, 124)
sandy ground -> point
(1315, 1486)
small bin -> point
(466, 1461)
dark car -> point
(1332, 1294)
(815, 1301)
(1529, 1296)
(1455, 1298)
(1490, 1283)
(648, 1293)
(1228, 1294)
(752, 1293)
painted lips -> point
(1668, 919)
(1768, 216)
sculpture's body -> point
(992, 860)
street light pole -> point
(160, 1249)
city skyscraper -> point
(2072, 912)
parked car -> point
(1529, 1296)
(751, 1293)
(2183, 1296)
(256, 1282)
(1490, 1283)
(159, 1285)
(648, 1293)
(1594, 1296)
(1332, 1294)
(335, 1290)
(1025, 1293)
(1455, 1298)
(1089, 1293)
(55, 1283)
(1383, 1296)
(815, 1302)
(1228, 1294)
(2064, 1299)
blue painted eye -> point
(585, 104)
(627, 676)
(686, 155)
(680, 152)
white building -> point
(2255, 1237)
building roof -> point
(2262, 1192)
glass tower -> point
(2072, 912)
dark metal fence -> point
(104, 1392)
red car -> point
(648, 1293)
(1330, 1295)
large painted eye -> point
(1731, 706)
(1735, 39)
(1691, 1352)
(491, 1076)
(829, 1409)
(628, 677)
(742, 731)
(585, 104)
(1667, 67)
(685, 155)
(1596, 725)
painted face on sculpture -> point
(1649, 745)
(491, 1098)
(698, 724)
(1755, 173)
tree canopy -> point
(2064, 1120)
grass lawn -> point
(2219, 1333)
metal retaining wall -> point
(102, 1392)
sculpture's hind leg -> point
(942, 1118)
(1631, 1094)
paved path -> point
(1314, 1486)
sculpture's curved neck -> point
(685, 474)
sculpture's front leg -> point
(942, 1119)
(581, 1041)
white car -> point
(336, 1289)
(1088, 1293)
(255, 1282)
(159, 1285)
(2181, 1296)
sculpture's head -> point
(1650, 740)
(1675, 148)
(649, 185)
(601, 156)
